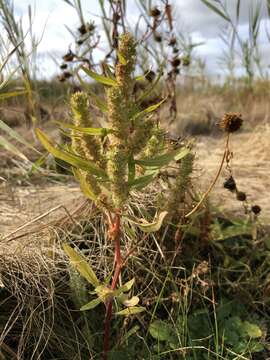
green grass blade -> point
(15, 135)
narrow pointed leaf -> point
(142, 181)
(72, 159)
(12, 148)
(91, 305)
(215, 9)
(131, 302)
(81, 264)
(15, 135)
(87, 130)
(100, 78)
(125, 288)
(131, 310)
(85, 187)
(150, 227)
(164, 159)
(148, 110)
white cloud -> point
(192, 16)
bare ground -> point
(250, 167)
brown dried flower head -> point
(256, 209)
(241, 196)
(230, 184)
(231, 122)
(155, 12)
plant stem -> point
(115, 233)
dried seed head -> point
(230, 184)
(176, 62)
(241, 196)
(256, 209)
(91, 27)
(67, 74)
(172, 41)
(82, 29)
(158, 38)
(231, 122)
(68, 57)
(79, 42)
(61, 78)
(63, 66)
(150, 75)
(155, 12)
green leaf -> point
(84, 185)
(87, 131)
(80, 263)
(216, 10)
(160, 330)
(100, 78)
(12, 148)
(148, 110)
(150, 227)
(131, 302)
(163, 160)
(125, 288)
(252, 330)
(131, 310)
(91, 305)
(15, 135)
(142, 181)
(72, 159)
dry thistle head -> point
(231, 122)
(230, 184)
(176, 62)
(68, 57)
(241, 196)
(158, 37)
(155, 12)
(256, 209)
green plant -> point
(26, 58)
(110, 163)
(249, 48)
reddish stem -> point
(115, 236)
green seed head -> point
(80, 108)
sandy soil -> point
(250, 166)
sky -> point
(192, 17)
